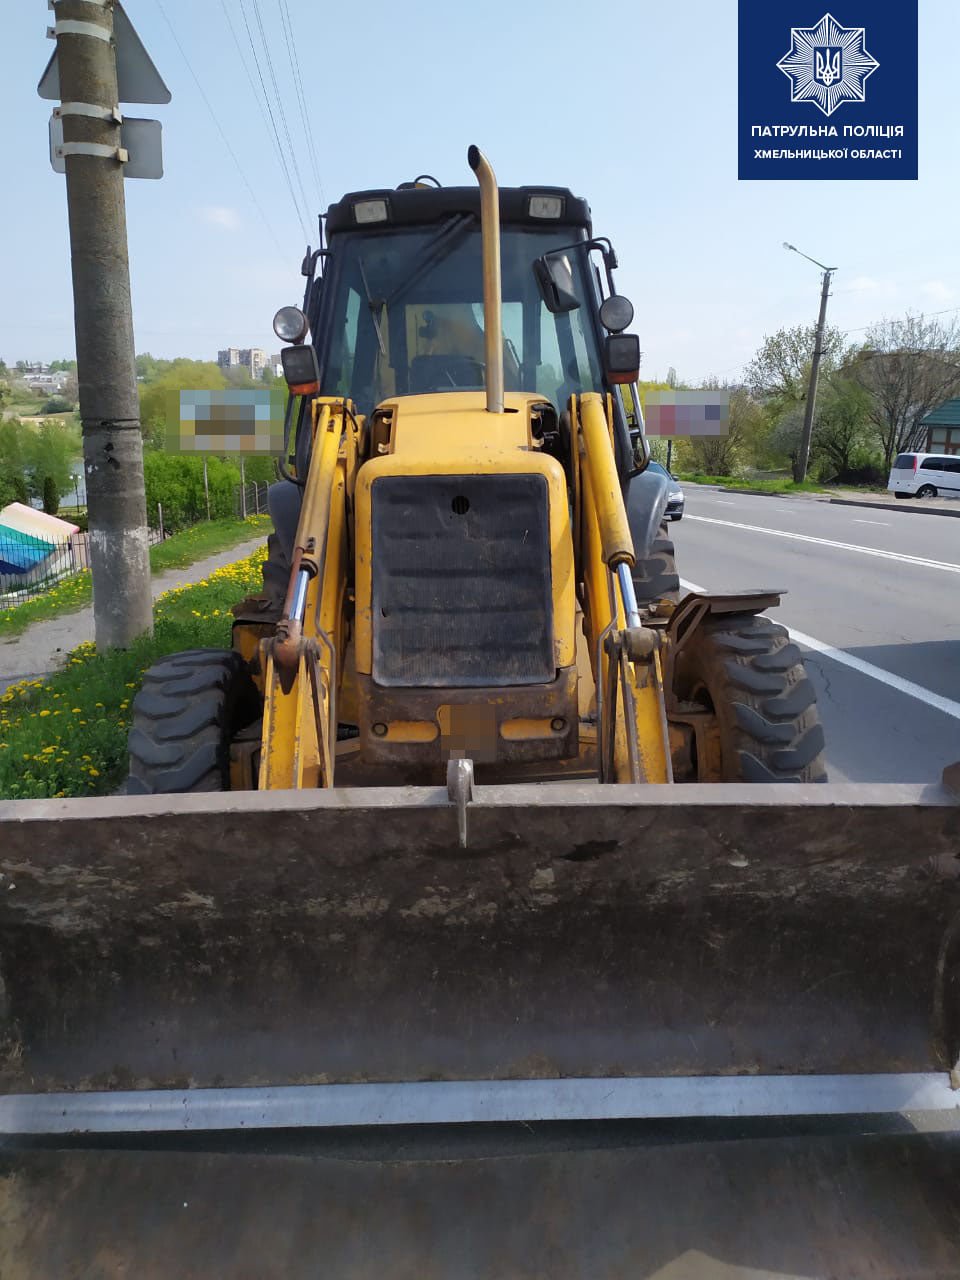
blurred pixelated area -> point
(468, 731)
(225, 422)
(687, 413)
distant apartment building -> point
(253, 359)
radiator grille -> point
(461, 581)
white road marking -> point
(899, 556)
(946, 705)
(885, 523)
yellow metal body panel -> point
(450, 434)
(640, 731)
(300, 709)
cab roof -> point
(422, 205)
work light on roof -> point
(290, 324)
(366, 211)
(545, 207)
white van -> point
(925, 475)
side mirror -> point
(554, 277)
(621, 357)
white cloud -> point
(221, 216)
(938, 291)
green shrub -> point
(56, 404)
(176, 481)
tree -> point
(908, 367)
(13, 484)
(51, 496)
(159, 398)
(50, 453)
(844, 439)
(723, 455)
(781, 368)
(63, 366)
(148, 366)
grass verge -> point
(780, 485)
(178, 551)
(67, 735)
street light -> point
(804, 454)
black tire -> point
(655, 578)
(185, 716)
(751, 675)
(926, 491)
(276, 575)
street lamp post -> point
(804, 454)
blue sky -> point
(631, 103)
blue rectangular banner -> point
(827, 93)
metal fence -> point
(28, 570)
(41, 572)
(251, 500)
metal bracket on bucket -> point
(460, 791)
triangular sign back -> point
(137, 78)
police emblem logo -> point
(827, 65)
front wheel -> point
(926, 491)
(748, 676)
(186, 715)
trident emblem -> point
(827, 67)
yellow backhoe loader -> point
(480, 818)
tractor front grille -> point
(462, 592)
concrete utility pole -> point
(109, 406)
(810, 408)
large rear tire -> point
(748, 672)
(187, 713)
(655, 578)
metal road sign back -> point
(139, 138)
(138, 79)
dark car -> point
(675, 499)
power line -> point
(283, 114)
(301, 97)
(243, 62)
(216, 121)
(923, 315)
(273, 122)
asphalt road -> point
(873, 599)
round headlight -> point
(616, 313)
(290, 324)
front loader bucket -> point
(585, 931)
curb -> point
(895, 506)
(846, 502)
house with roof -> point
(942, 426)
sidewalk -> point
(851, 498)
(43, 647)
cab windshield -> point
(406, 316)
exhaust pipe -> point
(492, 315)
